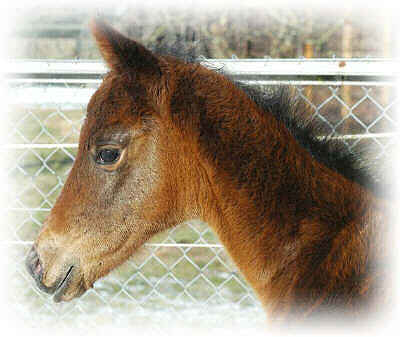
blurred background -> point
(183, 277)
(244, 31)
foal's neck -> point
(276, 210)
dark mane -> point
(284, 106)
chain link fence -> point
(185, 272)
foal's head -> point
(125, 184)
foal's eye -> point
(107, 156)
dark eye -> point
(107, 156)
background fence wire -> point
(185, 270)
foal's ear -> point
(122, 53)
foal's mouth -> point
(63, 286)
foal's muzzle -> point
(35, 269)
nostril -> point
(38, 267)
(33, 264)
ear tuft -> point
(121, 53)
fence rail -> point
(374, 71)
(354, 98)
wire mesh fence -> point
(185, 270)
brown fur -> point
(307, 239)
